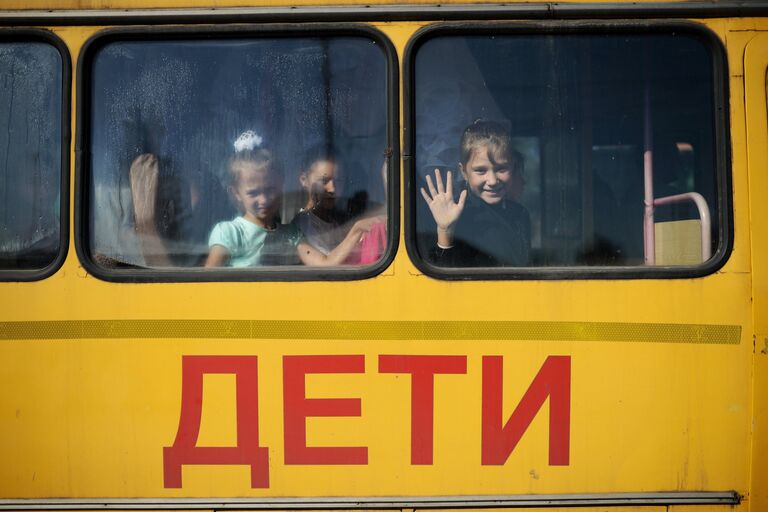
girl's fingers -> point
(426, 196)
(439, 180)
(449, 185)
(432, 190)
(462, 198)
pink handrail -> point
(649, 203)
(706, 222)
(649, 232)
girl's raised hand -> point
(145, 184)
(440, 200)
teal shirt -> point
(250, 245)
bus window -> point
(238, 152)
(30, 156)
(556, 142)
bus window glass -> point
(238, 152)
(550, 141)
(30, 154)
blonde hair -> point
(262, 159)
(494, 136)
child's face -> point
(319, 182)
(488, 174)
(257, 192)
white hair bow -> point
(247, 141)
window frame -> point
(159, 34)
(723, 207)
(25, 35)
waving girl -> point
(486, 227)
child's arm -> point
(312, 257)
(217, 257)
(445, 212)
(145, 184)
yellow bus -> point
(383, 256)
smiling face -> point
(319, 182)
(488, 173)
(257, 192)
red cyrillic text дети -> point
(498, 438)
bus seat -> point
(678, 242)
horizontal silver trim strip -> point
(395, 12)
(522, 500)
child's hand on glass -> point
(144, 178)
(444, 209)
(363, 226)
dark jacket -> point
(488, 236)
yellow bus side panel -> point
(91, 418)
(87, 415)
(755, 67)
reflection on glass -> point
(560, 177)
(238, 153)
(30, 155)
